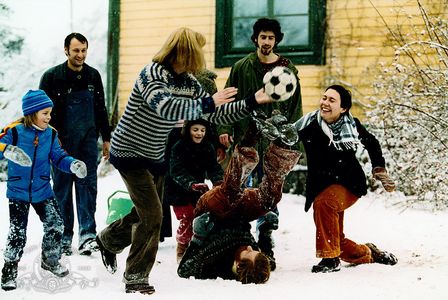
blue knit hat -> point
(35, 100)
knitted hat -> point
(35, 100)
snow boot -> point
(88, 247)
(109, 259)
(180, 251)
(9, 275)
(382, 257)
(67, 249)
(288, 134)
(327, 265)
(142, 288)
(54, 267)
(267, 129)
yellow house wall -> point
(357, 41)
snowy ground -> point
(419, 239)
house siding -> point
(357, 41)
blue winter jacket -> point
(32, 184)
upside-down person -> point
(222, 244)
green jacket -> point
(247, 75)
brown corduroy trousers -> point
(329, 207)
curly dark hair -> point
(265, 24)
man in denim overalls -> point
(79, 115)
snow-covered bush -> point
(409, 112)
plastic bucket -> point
(118, 205)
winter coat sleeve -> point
(5, 140)
(178, 172)
(59, 158)
(371, 144)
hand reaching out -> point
(224, 96)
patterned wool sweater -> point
(159, 99)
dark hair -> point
(265, 24)
(187, 125)
(75, 35)
(346, 95)
(256, 272)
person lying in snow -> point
(222, 244)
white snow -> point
(418, 238)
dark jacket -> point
(190, 163)
(215, 256)
(327, 166)
(57, 83)
(247, 75)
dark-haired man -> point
(79, 115)
(247, 75)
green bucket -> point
(118, 205)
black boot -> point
(109, 259)
(9, 275)
(327, 265)
(382, 257)
(265, 240)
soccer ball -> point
(279, 83)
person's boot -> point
(327, 265)
(288, 134)
(268, 223)
(266, 128)
(382, 257)
(54, 266)
(89, 246)
(109, 259)
(142, 288)
(9, 275)
(180, 251)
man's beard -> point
(265, 51)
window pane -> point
(295, 29)
(242, 31)
(249, 8)
(290, 7)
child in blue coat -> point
(30, 145)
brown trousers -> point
(140, 228)
(229, 200)
(329, 207)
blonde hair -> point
(254, 272)
(183, 48)
(28, 120)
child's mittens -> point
(380, 173)
(78, 168)
(200, 187)
(17, 155)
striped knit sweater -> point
(158, 100)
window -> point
(302, 21)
